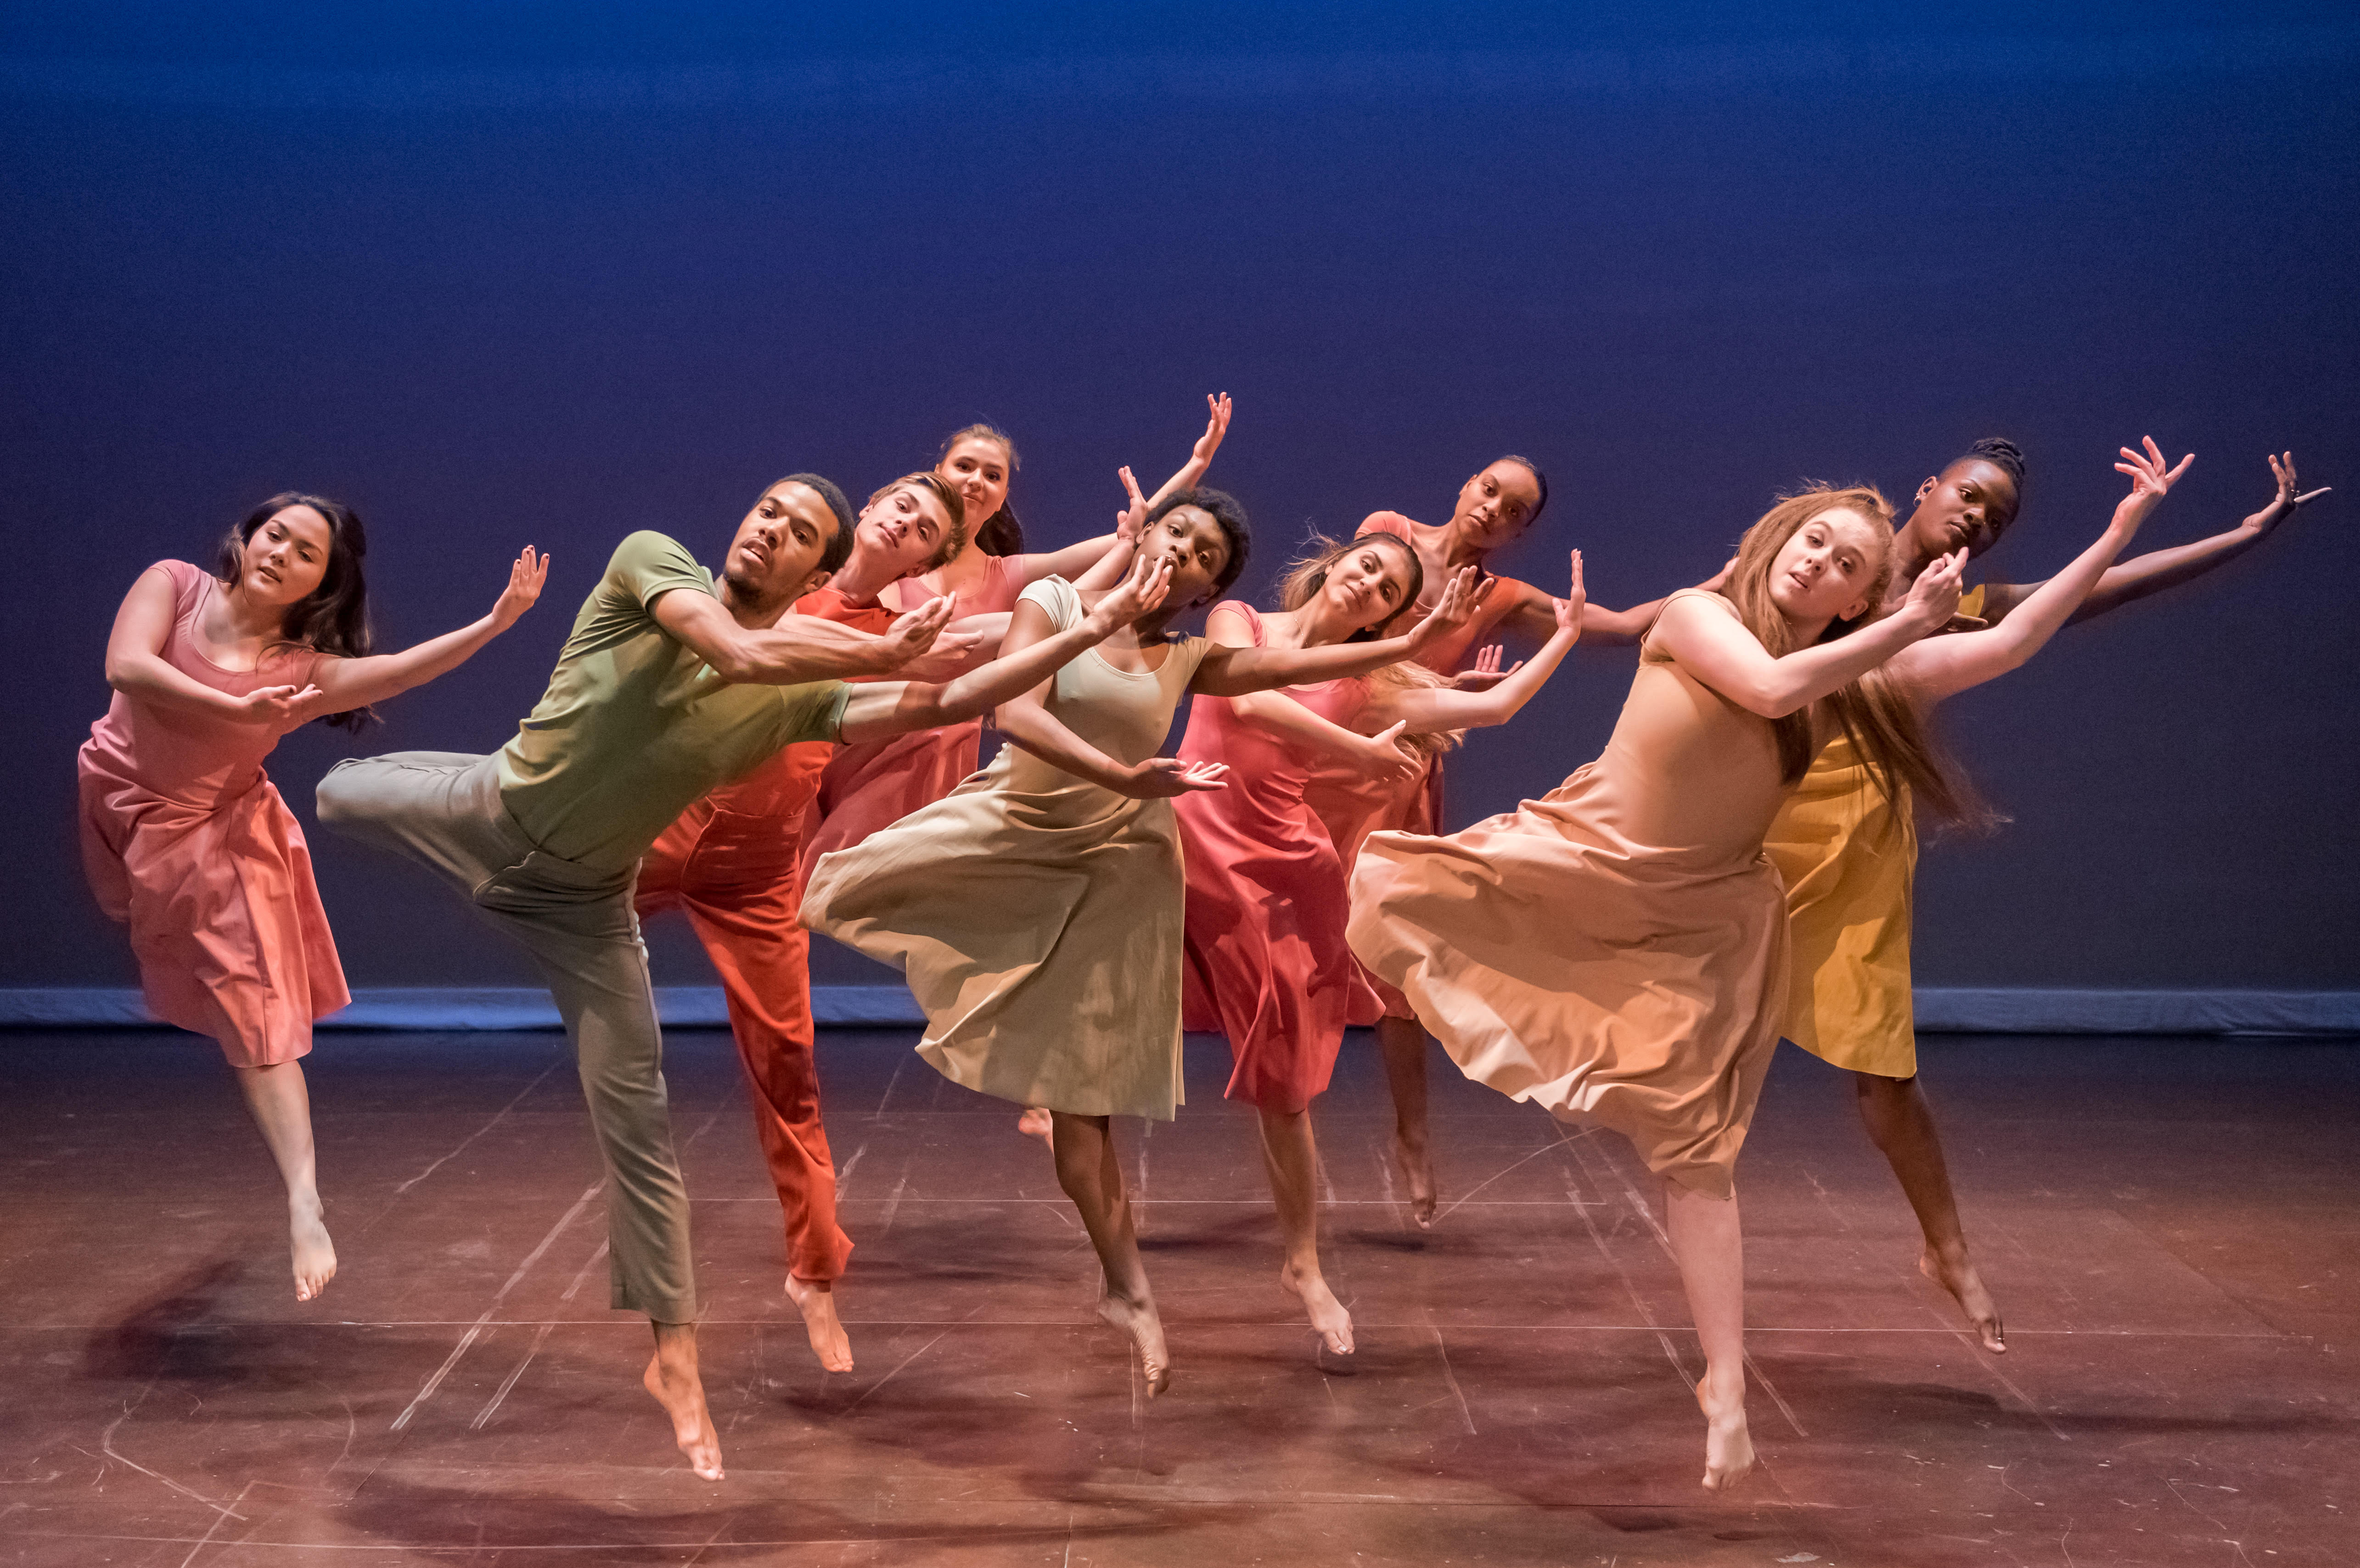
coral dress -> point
(1615, 951)
(1038, 916)
(185, 841)
(874, 783)
(1266, 963)
(1350, 807)
(1850, 861)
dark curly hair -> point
(1224, 510)
(333, 618)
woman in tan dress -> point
(1653, 1005)
(1037, 909)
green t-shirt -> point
(635, 725)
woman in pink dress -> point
(878, 783)
(1267, 964)
(188, 843)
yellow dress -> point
(1616, 951)
(1850, 861)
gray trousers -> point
(443, 810)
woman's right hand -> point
(1160, 778)
(1385, 758)
(1934, 596)
(290, 706)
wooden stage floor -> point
(2170, 1226)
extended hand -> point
(1131, 522)
(525, 578)
(914, 632)
(1385, 759)
(2149, 479)
(1142, 589)
(1568, 608)
(1453, 610)
(1160, 778)
(2290, 498)
(281, 705)
(1201, 454)
(1934, 596)
(1486, 672)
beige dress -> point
(1616, 951)
(1038, 916)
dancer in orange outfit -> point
(1266, 961)
(878, 783)
(188, 843)
(732, 864)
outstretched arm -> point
(348, 684)
(1428, 708)
(890, 707)
(1715, 647)
(2159, 569)
(1376, 755)
(1233, 671)
(797, 648)
(1940, 667)
(1113, 551)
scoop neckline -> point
(196, 645)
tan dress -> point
(1616, 951)
(1038, 917)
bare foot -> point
(1960, 1278)
(315, 1256)
(816, 1297)
(1333, 1323)
(1035, 1123)
(672, 1378)
(1727, 1446)
(1417, 1171)
(1146, 1331)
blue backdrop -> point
(550, 274)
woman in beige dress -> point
(1037, 909)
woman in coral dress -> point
(1037, 909)
(188, 843)
(878, 783)
(1267, 964)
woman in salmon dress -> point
(878, 783)
(1037, 909)
(1616, 951)
(188, 843)
(1266, 962)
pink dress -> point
(875, 783)
(1266, 963)
(186, 841)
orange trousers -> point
(732, 864)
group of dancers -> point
(791, 744)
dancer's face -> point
(976, 468)
(284, 559)
(1826, 568)
(903, 526)
(1193, 541)
(1965, 507)
(1495, 506)
(1367, 586)
(775, 557)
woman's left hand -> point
(525, 579)
(2291, 497)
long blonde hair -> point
(1887, 730)
(1308, 574)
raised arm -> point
(1428, 708)
(890, 707)
(1233, 671)
(797, 648)
(1102, 561)
(347, 683)
(1716, 648)
(1940, 667)
(2159, 569)
(137, 667)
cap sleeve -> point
(1058, 598)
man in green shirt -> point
(669, 686)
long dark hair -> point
(333, 618)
